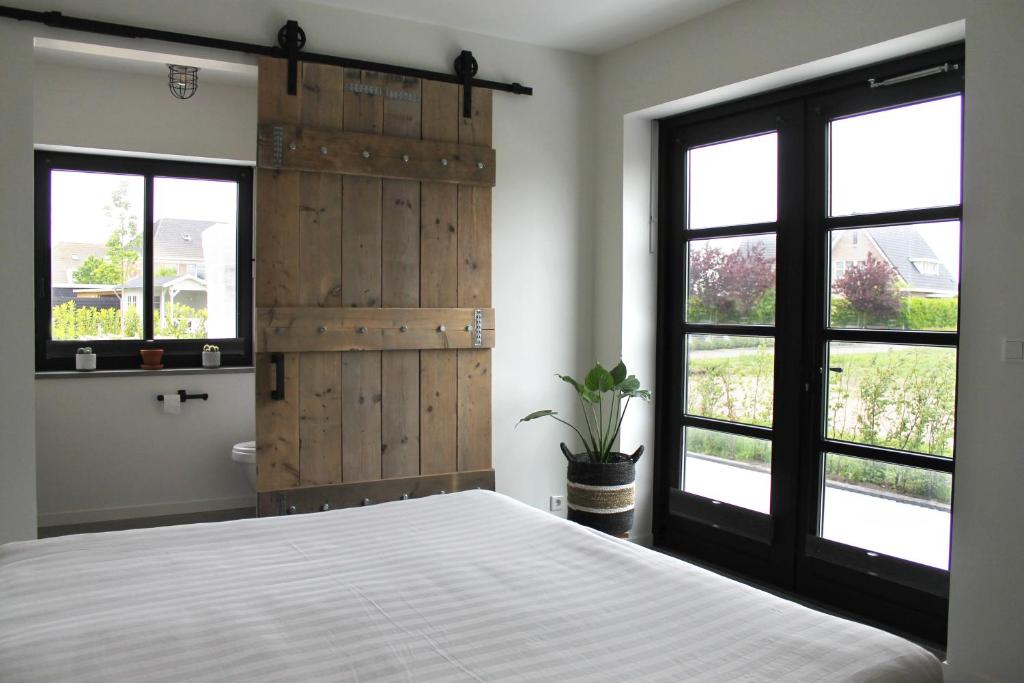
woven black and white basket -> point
(602, 495)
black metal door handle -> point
(277, 394)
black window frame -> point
(784, 549)
(118, 354)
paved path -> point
(887, 526)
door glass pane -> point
(903, 158)
(892, 395)
(733, 183)
(730, 377)
(731, 280)
(729, 468)
(891, 509)
(96, 255)
(194, 241)
(901, 277)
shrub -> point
(870, 288)
(727, 287)
(70, 321)
(919, 313)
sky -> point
(79, 202)
(896, 159)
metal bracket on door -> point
(277, 146)
(478, 327)
(466, 67)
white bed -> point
(466, 586)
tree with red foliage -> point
(728, 285)
(871, 289)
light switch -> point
(1013, 349)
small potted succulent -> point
(600, 482)
(211, 356)
(85, 359)
(152, 358)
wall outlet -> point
(557, 503)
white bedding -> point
(466, 586)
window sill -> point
(137, 372)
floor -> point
(146, 522)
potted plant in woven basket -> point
(600, 482)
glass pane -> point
(900, 277)
(891, 509)
(733, 469)
(195, 227)
(904, 158)
(95, 255)
(732, 280)
(733, 183)
(730, 377)
(892, 395)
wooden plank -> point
(322, 150)
(273, 101)
(277, 426)
(312, 499)
(322, 100)
(361, 285)
(474, 391)
(276, 282)
(277, 226)
(320, 418)
(360, 416)
(439, 258)
(474, 248)
(400, 286)
(320, 285)
(309, 329)
(438, 412)
(439, 287)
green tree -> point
(166, 271)
(124, 247)
(97, 271)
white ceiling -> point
(588, 26)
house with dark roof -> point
(178, 246)
(920, 271)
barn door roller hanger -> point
(291, 41)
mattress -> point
(469, 586)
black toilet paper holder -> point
(184, 396)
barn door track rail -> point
(291, 41)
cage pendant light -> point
(183, 80)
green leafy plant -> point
(601, 395)
(84, 350)
(211, 348)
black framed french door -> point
(732, 264)
(807, 337)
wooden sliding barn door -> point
(373, 289)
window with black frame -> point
(141, 253)
(809, 307)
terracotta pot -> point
(151, 358)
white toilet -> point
(245, 455)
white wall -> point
(103, 448)
(760, 44)
(133, 112)
(17, 407)
(542, 212)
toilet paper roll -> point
(172, 404)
